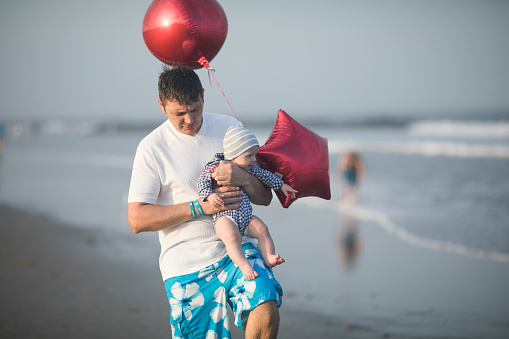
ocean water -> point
(436, 183)
(435, 186)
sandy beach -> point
(62, 282)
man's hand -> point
(229, 174)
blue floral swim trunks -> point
(198, 301)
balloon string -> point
(210, 70)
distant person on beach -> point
(240, 146)
(199, 277)
(352, 171)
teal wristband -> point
(193, 213)
(198, 208)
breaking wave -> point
(423, 147)
(77, 158)
(452, 128)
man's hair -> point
(179, 83)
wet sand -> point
(62, 282)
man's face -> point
(185, 119)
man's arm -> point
(145, 217)
(229, 174)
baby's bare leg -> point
(229, 234)
(258, 230)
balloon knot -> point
(204, 62)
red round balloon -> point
(183, 32)
(300, 155)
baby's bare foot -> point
(248, 272)
(274, 260)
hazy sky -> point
(80, 59)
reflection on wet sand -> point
(348, 240)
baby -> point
(240, 146)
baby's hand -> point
(215, 200)
(286, 189)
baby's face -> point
(247, 159)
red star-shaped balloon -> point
(300, 155)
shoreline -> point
(63, 282)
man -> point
(198, 275)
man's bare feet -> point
(274, 260)
(248, 271)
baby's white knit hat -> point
(236, 141)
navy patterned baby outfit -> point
(244, 213)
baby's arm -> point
(271, 180)
(204, 182)
(286, 189)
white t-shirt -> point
(165, 169)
